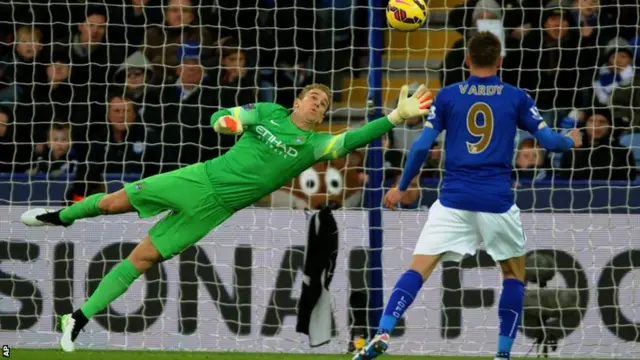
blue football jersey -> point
(481, 117)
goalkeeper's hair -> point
(316, 86)
(484, 49)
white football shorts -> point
(455, 233)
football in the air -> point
(406, 15)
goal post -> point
(375, 164)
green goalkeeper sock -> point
(82, 209)
(110, 288)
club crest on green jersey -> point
(275, 144)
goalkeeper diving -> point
(276, 145)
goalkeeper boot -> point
(70, 330)
(42, 217)
(376, 347)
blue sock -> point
(401, 298)
(509, 313)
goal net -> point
(96, 95)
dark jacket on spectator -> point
(550, 67)
(240, 91)
(162, 45)
(179, 128)
(91, 69)
(45, 163)
(607, 160)
(7, 144)
(626, 104)
(110, 156)
(133, 27)
(52, 104)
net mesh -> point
(94, 95)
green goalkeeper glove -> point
(228, 125)
(409, 107)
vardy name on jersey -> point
(481, 116)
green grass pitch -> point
(23, 354)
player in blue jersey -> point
(480, 116)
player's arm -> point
(419, 151)
(408, 107)
(417, 154)
(232, 121)
(420, 148)
(531, 121)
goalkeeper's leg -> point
(92, 206)
(114, 284)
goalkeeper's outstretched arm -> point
(408, 107)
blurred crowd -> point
(578, 60)
(128, 86)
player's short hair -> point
(484, 49)
(316, 86)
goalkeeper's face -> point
(312, 107)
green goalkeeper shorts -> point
(194, 208)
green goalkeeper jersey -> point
(273, 150)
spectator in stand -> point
(235, 18)
(19, 63)
(24, 74)
(531, 161)
(133, 76)
(235, 83)
(519, 16)
(555, 62)
(26, 69)
(93, 61)
(181, 27)
(57, 99)
(136, 16)
(602, 157)
(621, 18)
(58, 158)
(635, 46)
(454, 67)
(180, 128)
(119, 147)
(7, 142)
(287, 57)
(53, 100)
(618, 86)
(593, 26)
